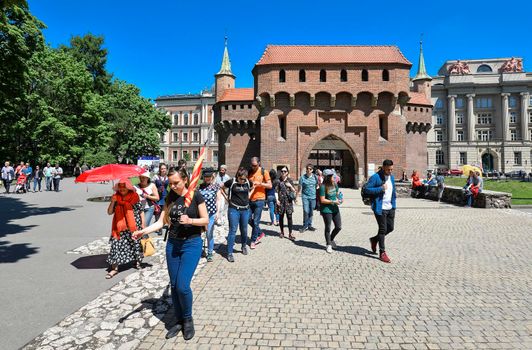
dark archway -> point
(488, 162)
(331, 152)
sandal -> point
(138, 266)
(111, 274)
(281, 235)
(291, 237)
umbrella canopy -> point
(467, 168)
(110, 172)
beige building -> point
(482, 115)
(191, 116)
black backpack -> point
(366, 197)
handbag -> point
(148, 248)
(156, 209)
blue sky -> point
(174, 46)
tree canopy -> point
(62, 105)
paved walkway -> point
(459, 279)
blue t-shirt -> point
(308, 185)
(28, 171)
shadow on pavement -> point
(10, 253)
(159, 308)
(14, 208)
(345, 249)
(100, 262)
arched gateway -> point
(331, 152)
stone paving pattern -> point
(459, 279)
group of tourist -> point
(244, 197)
(24, 175)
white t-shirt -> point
(387, 199)
(146, 204)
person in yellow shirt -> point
(261, 181)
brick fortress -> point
(343, 107)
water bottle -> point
(340, 197)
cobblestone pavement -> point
(459, 279)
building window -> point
(439, 119)
(185, 119)
(439, 135)
(174, 155)
(343, 75)
(439, 157)
(460, 135)
(513, 134)
(185, 155)
(459, 118)
(215, 136)
(249, 106)
(282, 126)
(323, 76)
(302, 76)
(383, 126)
(484, 135)
(484, 118)
(364, 75)
(176, 119)
(226, 107)
(185, 137)
(517, 158)
(175, 137)
(512, 102)
(195, 137)
(439, 103)
(215, 156)
(530, 117)
(513, 117)
(459, 102)
(162, 138)
(196, 119)
(484, 68)
(233, 107)
(195, 155)
(463, 158)
(385, 75)
(282, 76)
(484, 102)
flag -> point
(194, 178)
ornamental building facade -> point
(482, 115)
(191, 116)
(342, 107)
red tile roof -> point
(418, 98)
(280, 54)
(242, 94)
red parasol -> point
(110, 172)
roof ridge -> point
(328, 45)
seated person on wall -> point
(429, 181)
(418, 189)
(473, 187)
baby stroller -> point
(21, 184)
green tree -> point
(20, 38)
(136, 125)
(89, 50)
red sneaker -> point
(384, 258)
(373, 243)
(261, 236)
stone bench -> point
(455, 195)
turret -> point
(224, 79)
(422, 80)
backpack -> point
(366, 198)
(231, 190)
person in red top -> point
(261, 181)
(417, 185)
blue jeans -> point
(237, 217)
(36, 182)
(48, 183)
(148, 214)
(309, 204)
(255, 209)
(271, 207)
(182, 258)
(210, 233)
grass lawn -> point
(521, 191)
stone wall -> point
(455, 195)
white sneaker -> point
(329, 249)
(333, 245)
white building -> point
(482, 114)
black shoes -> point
(174, 330)
(188, 329)
(187, 326)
